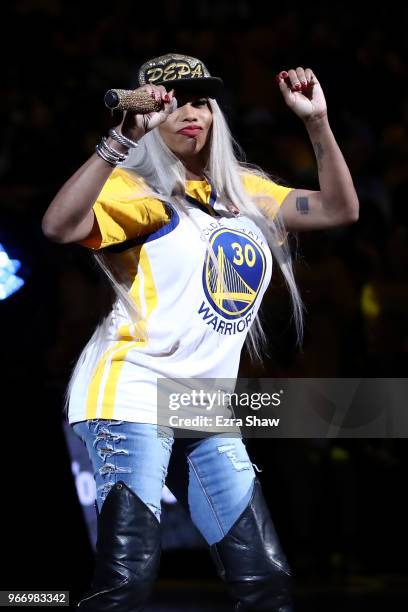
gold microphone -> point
(139, 102)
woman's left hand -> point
(302, 93)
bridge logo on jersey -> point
(232, 288)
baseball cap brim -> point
(208, 86)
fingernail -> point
(284, 74)
(166, 98)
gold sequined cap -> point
(180, 72)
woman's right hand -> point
(135, 126)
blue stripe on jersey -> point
(162, 231)
(213, 194)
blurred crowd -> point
(353, 280)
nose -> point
(188, 112)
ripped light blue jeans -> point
(220, 473)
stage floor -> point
(361, 594)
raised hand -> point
(135, 126)
(302, 93)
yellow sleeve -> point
(259, 187)
(121, 215)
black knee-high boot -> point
(127, 554)
(251, 563)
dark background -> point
(338, 505)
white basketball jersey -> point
(192, 324)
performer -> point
(186, 234)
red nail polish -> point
(166, 98)
(284, 74)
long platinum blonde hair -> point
(163, 176)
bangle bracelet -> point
(123, 140)
(108, 154)
(112, 151)
(104, 157)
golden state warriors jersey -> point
(191, 323)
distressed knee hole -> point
(230, 451)
(106, 436)
(108, 451)
(109, 468)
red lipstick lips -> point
(190, 131)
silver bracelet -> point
(126, 142)
(108, 154)
(103, 156)
(112, 151)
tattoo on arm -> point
(302, 205)
(319, 154)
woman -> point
(185, 234)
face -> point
(187, 129)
